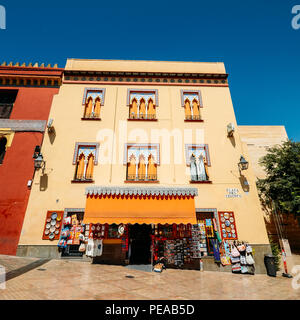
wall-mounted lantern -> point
(50, 126)
(39, 162)
(243, 164)
(230, 129)
(38, 158)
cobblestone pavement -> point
(36, 279)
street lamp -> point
(243, 164)
(39, 161)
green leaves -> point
(282, 183)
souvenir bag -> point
(225, 261)
(251, 269)
(248, 248)
(235, 260)
(244, 269)
(62, 243)
(67, 220)
(241, 247)
(216, 250)
(236, 268)
(234, 252)
(82, 248)
(65, 233)
(243, 259)
(249, 259)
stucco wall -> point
(18, 165)
(258, 138)
(225, 153)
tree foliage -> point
(282, 182)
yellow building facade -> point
(156, 131)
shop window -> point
(74, 223)
(198, 159)
(192, 102)
(113, 231)
(7, 100)
(93, 101)
(142, 161)
(142, 104)
(85, 158)
(3, 143)
(208, 229)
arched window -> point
(142, 110)
(187, 109)
(97, 108)
(88, 108)
(196, 111)
(80, 167)
(3, 142)
(142, 168)
(151, 109)
(90, 168)
(131, 168)
(133, 109)
(152, 168)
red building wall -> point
(18, 165)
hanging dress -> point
(194, 176)
(201, 169)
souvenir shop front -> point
(145, 226)
(138, 226)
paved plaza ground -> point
(31, 278)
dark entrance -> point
(140, 241)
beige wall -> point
(258, 139)
(67, 111)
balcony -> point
(142, 178)
(146, 117)
(196, 118)
(196, 179)
(83, 179)
(91, 116)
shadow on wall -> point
(44, 182)
(52, 135)
(232, 140)
(244, 183)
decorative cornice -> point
(34, 66)
(147, 191)
(23, 125)
(30, 75)
(154, 78)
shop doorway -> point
(140, 244)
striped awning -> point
(140, 205)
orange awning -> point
(140, 205)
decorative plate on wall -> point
(231, 233)
(53, 225)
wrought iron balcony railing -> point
(142, 116)
(141, 177)
(80, 177)
(198, 117)
(92, 115)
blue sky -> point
(254, 39)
